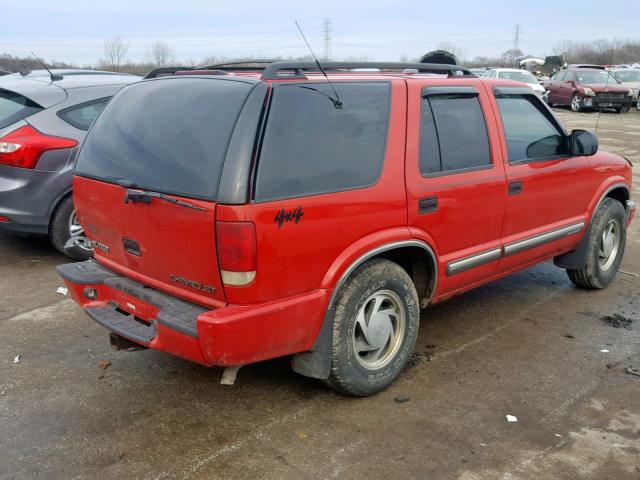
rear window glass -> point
(82, 116)
(311, 147)
(14, 107)
(453, 134)
(167, 135)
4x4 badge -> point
(289, 216)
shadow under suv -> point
(43, 118)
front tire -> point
(576, 102)
(375, 327)
(623, 109)
(605, 247)
(64, 225)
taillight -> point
(236, 252)
(24, 146)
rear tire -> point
(623, 109)
(375, 327)
(605, 247)
(63, 224)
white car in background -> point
(518, 75)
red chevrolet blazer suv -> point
(239, 213)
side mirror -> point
(583, 142)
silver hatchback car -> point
(44, 116)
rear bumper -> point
(231, 335)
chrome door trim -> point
(531, 242)
(473, 261)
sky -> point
(74, 31)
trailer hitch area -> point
(120, 343)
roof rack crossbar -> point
(271, 72)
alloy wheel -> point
(379, 329)
(609, 245)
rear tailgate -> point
(159, 244)
(147, 179)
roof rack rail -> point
(271, 72)
(157, 72)
(242, 65)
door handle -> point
(427, 205)
(515, 188)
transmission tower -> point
(516, 36)
(326, 35)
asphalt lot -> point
(530, 345)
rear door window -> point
(82, 116)
(168, 135)
(312, 147)
(15, 107)
(453, 134)
(529, 129)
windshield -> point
(628, 75)
(523, 76)
(591, 76)
(14, 107)
(168, 135)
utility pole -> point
(516, 36)
(326, 35)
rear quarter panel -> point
(334, 229)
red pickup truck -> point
(241, 213)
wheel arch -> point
(576, 258)
(56, 204)
(415, 256)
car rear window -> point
(168, 135)
(311, 147)
(14, 107)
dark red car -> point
(581, 88)
(239, 215)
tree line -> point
(160, 53)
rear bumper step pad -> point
(173, 313)
(124, 325)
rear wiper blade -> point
(145, 196)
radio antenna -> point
(337, 102)
(606, 84)
(51, 75)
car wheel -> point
(65, 225)
(638, 103)
(375, 326)
(576, 103)
(605, 247)
(623, 109)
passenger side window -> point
(453, 134)
(313, 146)
(82, 116)
(559, 77)
(529, 129)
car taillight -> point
(237, 252)
(24, 146)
